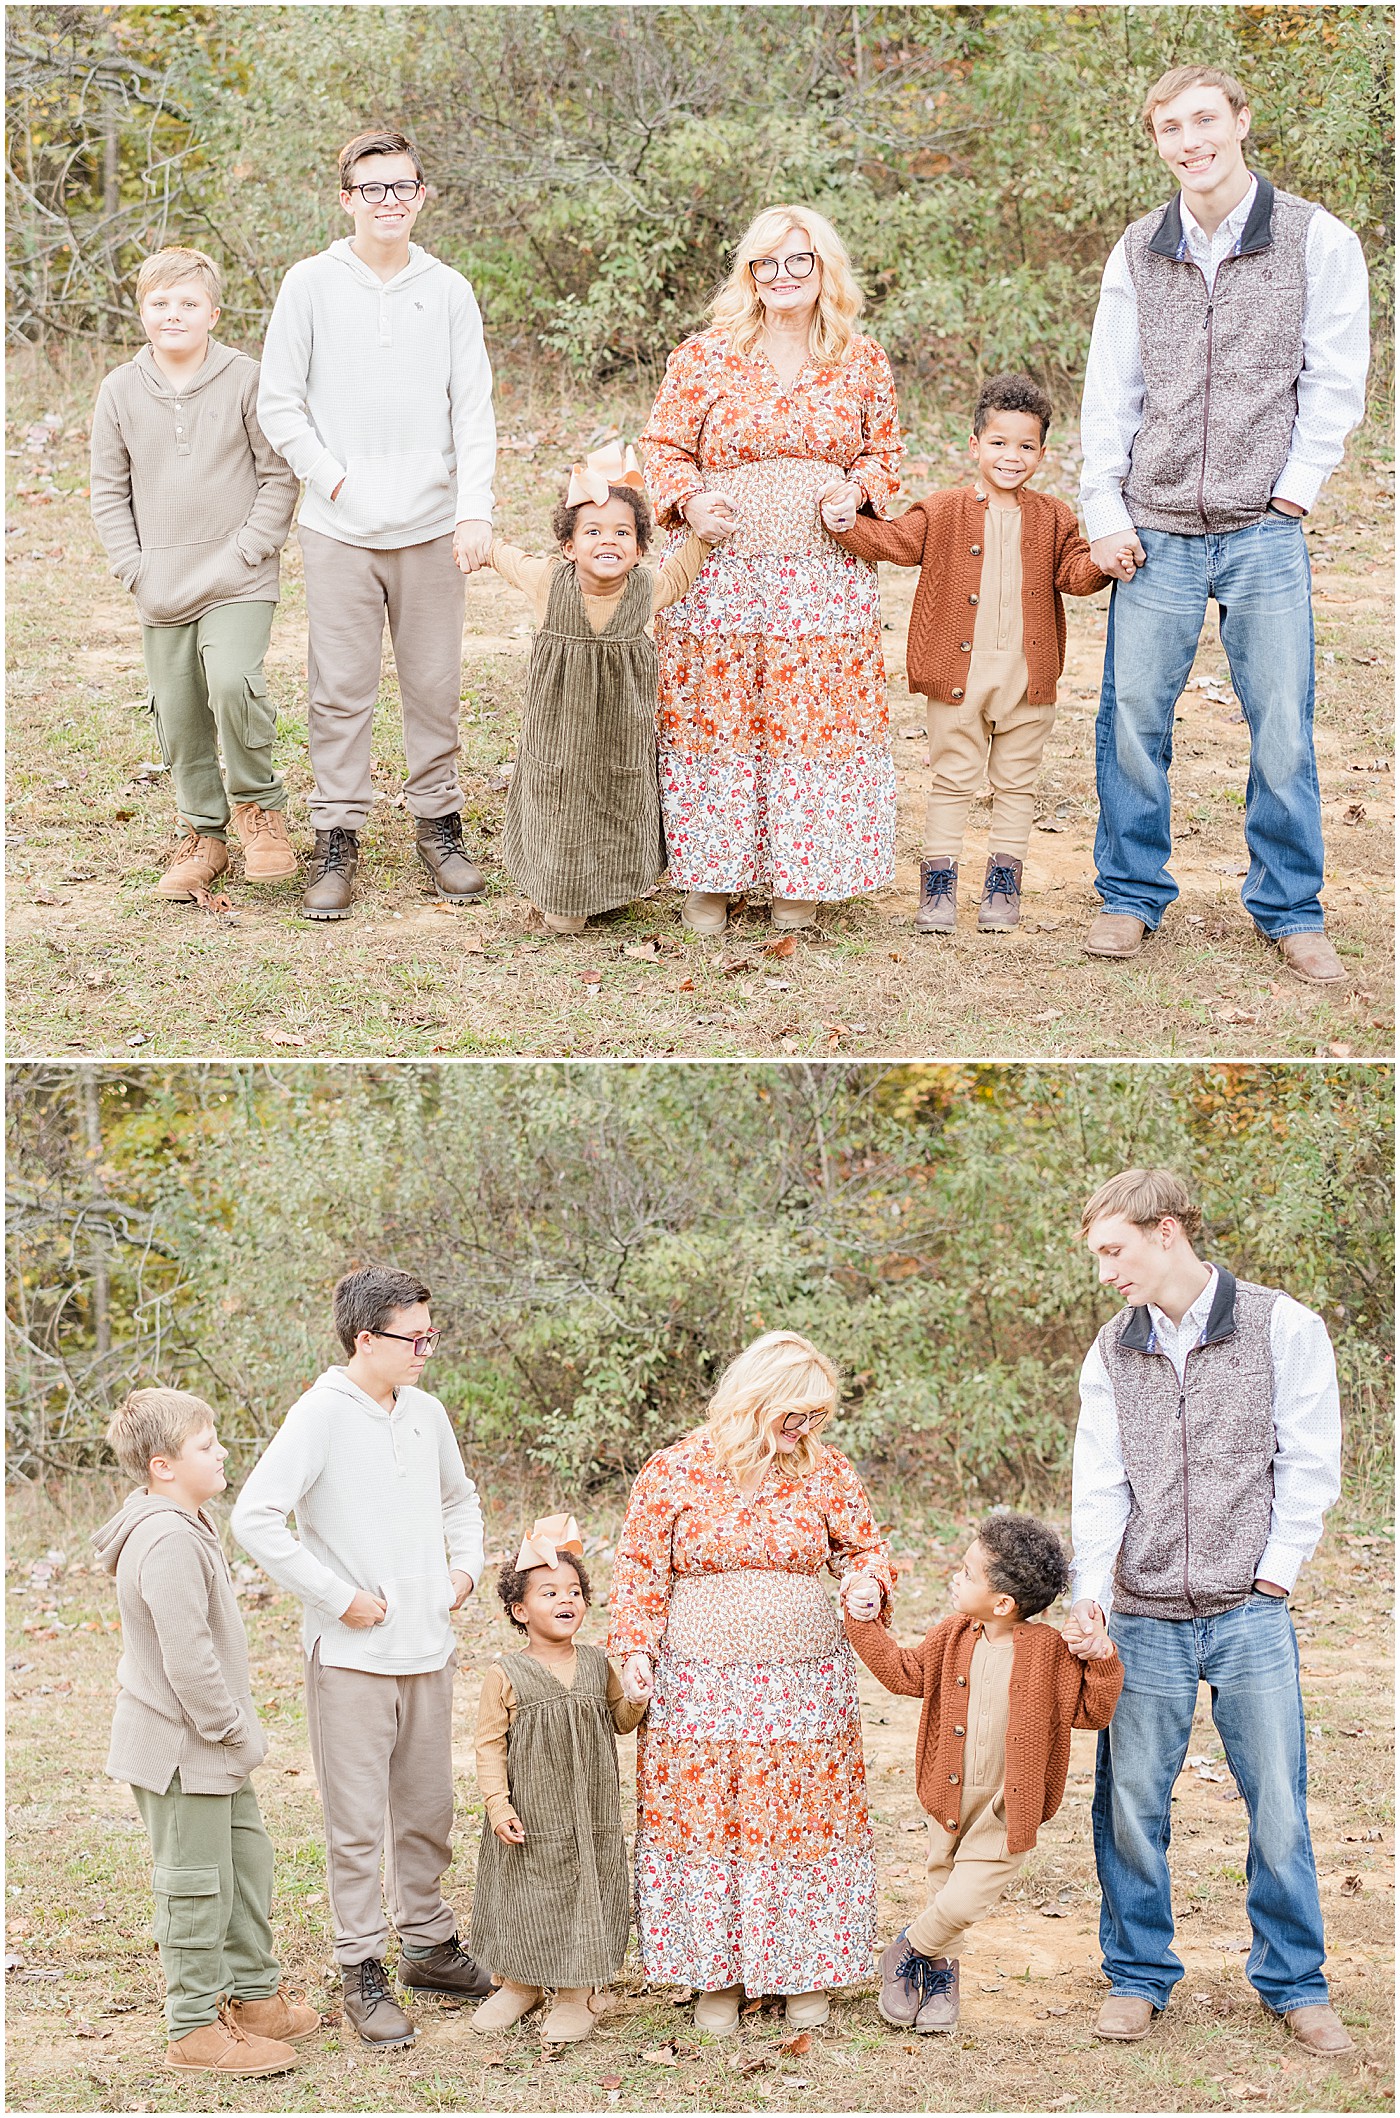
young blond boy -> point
(185, 1736)
(193, 505)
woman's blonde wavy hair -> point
(737, 308)
(778, 1374)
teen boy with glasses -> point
(377, 390)
(389, 1545)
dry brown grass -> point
(99, 967)
(84, 2026)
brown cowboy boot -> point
(195, 865)
(442, 853)
(330, 881)
(267, 850)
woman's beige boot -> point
(793, 912)
(573, 2017)
(507, 2005)
(807, 2011)
(559, 923)
(705, 911)
(719, 2012)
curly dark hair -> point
(512, 1582)
(1013, 393)
(564, 520)
(1025, 1560)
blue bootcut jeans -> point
(1261, 580)
(1249, 1658)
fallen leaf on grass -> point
(1053, 1911)
(793, 2046)
(661, 2055)
(1050, 1015)
(284, 1037)
(1340, 1051)
(1355, 814)
(749, 2062)
(782, 947)
(593, 978)
(611, 2081)
(14, 1963)
(473, 945)
(687, 985)
(491, 2058)
(89, 2029)
(1351, 1886)
(643, 951)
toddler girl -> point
(550, 1911)
(583, 815)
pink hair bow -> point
(551, 1535)
(590, 479)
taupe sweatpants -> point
(382, 1749)
(348, 592)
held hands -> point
(511, 1832)
(1086, 1635)
(463, 1586)
(471, 546)
(840, 503)
(711, 516)
(1120, 554)
(363, 1611)
(637, 1681)
(863, 1597)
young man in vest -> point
(1207, 1453)
(1226, 369)
(377, 390)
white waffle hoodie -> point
(385, 384)
(377, 1495)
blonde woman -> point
(777, 424)
(755, 1870)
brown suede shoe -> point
(1311, 956)
(369, 2006)
(507, 2006)
(1001, 895)
(276, 2015)
(440, 849)
(195, 865)
(1125, 2017)
(1117, 935)
(938, 896)
(330, 883)
(267, 850)
(223, 2048)
(1317, 2027)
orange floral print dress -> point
(754, 1859)
(772, 722)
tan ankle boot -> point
(788, 914)
(508, 2005)
(705, 911)
(561, 923)
(195, 865)
(267, 850)
(222, 2047)
(277, 2015)
(572, 2018)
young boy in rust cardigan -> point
(1000, 1698)
(986, 641)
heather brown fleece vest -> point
(1221, 369)
(1199, 1456)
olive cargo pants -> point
(213, 1890)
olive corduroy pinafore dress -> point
(583, 814)
(554, 1912)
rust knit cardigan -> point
(943, 537)
(1051, 1693)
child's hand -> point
(511, 1832)
(1120, 554)
(840, 503)
(863, 1597)
(637, 1679)
(1086, 1635)
(471, 546)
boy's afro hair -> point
(565, 518)
(512, 1582)
(1025, 1560)
(1013, 393)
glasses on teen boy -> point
(800, 265)
(423, 1343)
(805, 1422)
(374, 195)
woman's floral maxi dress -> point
(772, 723)
(754, 1859)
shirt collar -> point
(1233, 223)
(1196, 1316)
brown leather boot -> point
(938, 896)
(1317, 2027)
(222, 2047)
(276, 2015)
(1001, 895)
(330, 881)
(369, 2007)
(267, 850)
(448, 1969)
(441, 851)
(939, 2013)
(195, 865)
(1311, 956)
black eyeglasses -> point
(800, 265)
(805, 1422)
(374, 195)
(424, 1343)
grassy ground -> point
(84, 2027)
(100, 967)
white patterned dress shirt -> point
(1307, 1430)
(1331, 387)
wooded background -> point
(601, 1239)
(591, 166)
